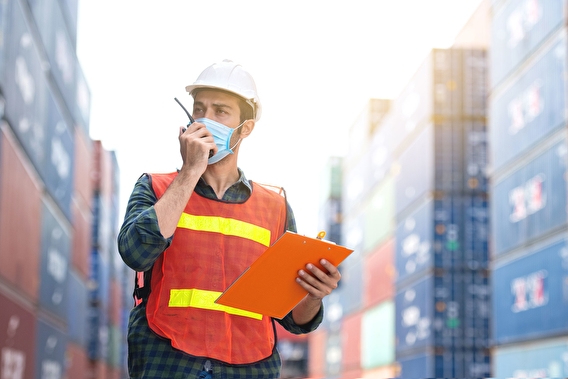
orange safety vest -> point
(213, 244)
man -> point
(190, 233)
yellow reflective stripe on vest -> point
(205, 300)
(226, 226)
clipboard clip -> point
(320, 235)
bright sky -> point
(316, 64)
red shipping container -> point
(20, 217)
(317, 347)
(351, 342)
(81, 248)
(379, 274)
(83, 190)
(353, 374)
(77, 362)
(102, 171)
(116, 303)
(17, 331)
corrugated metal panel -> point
(77, 362)
(418, 366)
(25, 89)
(530, 201)
(377, 336)
(51, 345)
(58, 45)
(316, 353)
(82, 112)
(4, 14)
(546, 359)
(475, 86)
(529, 295)
(380, 154)
(55, 259)
(355, 184)
(415, 168)
(100, 279)
(20, 219)
(115, 301)
(351, 343)
(379, 215)
(476, 151)
(57, 169)
(81, 248)
(414, 316)
(77, 309)
(83, 167)
(333, 354)
(414, 242)
(351, 286)
(17, 329)
(531, 108)
(518, 29)
(115, 341)
(70, 9)
(97, 334)
(379, 274)
(381, 372)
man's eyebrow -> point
(216, 105)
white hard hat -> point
(231, 77)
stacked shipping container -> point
(528, 156)
(46, 199)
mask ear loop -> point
(240, 139)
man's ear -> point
(247, 128)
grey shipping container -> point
(77, 309)
(25, 89)
(517, 29)
(55, 262)
(531, 201)
(531, 108)
(51, 345)
(529, 295)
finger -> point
(310, 289)
(331, 269)
(321, 282)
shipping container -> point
(379, 215)
(115, 341)
(77, 362)
(316, 353)
(57, 169)
(97, 333)
(82, 170)
(82, 111)
(517, 30)
(77, 310)
(380, 154)
(379, 274)
(51, 346)
(355, 184)
(115, 301)
(20, 218)
(542, 359)
(532, 107)
(377, 336)
(477, 311)
(529, 294)
(418, 366)
(17, 331)
(531, 201)
(5, 10)
(25, 89)
(70, 10)
(294, 355)
(58, 46)
(81, 245)
(442, 363)
(414, 242)
(351, 286)
(55, 259)
(333, 354)
(389, 371)
(351, 330)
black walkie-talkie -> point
(191, 121)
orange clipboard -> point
(268, 286)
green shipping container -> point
(379, 215)
(377, 336)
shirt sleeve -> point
(140, 241)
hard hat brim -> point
(256, 109)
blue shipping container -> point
(517, 29)
(25, 89)
(418, 366)
(530, 201)
(531, 108)
(4, 13)
(535, 360)
(58, 168)
(529, 295)
(55, 257)
(414, 307)
(59, 47)
(77, 310)
(51, 345)
(414, 242)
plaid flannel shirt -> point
(140, 243)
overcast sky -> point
(316, 64)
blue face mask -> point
(222, 137)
